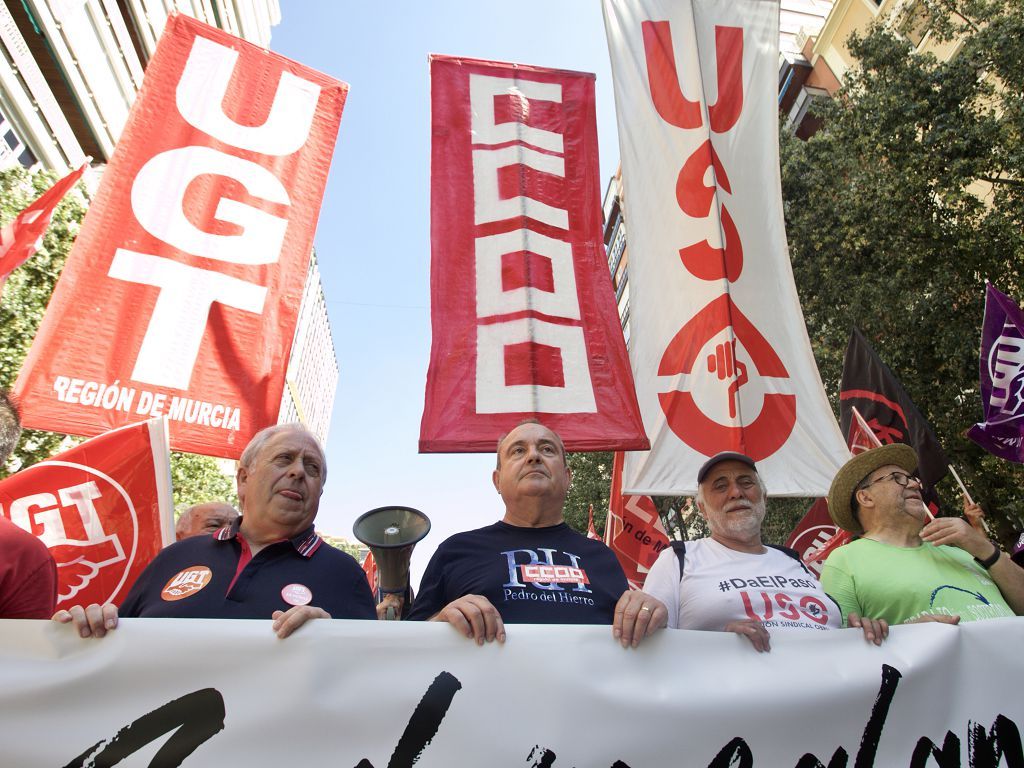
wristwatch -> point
(992, 559)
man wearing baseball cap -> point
(906, 567)
(731, 581)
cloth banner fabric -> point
(23, 236)
(718, 343)
(103, 508)
(870, 386)
(523, 315)
(1002, 378)
(633, 529)
(815, 536)
(181, 293)
(366, 694)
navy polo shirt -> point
(213, 577)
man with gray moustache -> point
(731, 581)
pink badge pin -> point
(297, 594)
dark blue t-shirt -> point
(190, 579)
(547, 575)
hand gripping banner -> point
(181, 293)
(524, 317)
(371, 694)
(103, 508)
(718, 345)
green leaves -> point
(28, 290)
(892, 226)
(591, 484)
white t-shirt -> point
(721, 585)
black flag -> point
(872, 388)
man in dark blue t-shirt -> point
(530, 567)
(269, 564)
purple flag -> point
(1002, 379)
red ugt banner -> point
(523, 313)
(103, 508)
(181, 293)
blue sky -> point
(373, 239)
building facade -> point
(69, 71)
(825, 58)
(312, 377)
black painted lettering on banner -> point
(947, 757)
(872, 731)
(194, 718)
(986, 748)
(735, 754)
(541, 757)
(197, 716)
(423, 724)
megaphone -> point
(391, 533)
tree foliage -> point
(899, 209)
(198, 479)
(591, 484)
(28, 290)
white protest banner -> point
(718, 346)
(181, 293)
(364, 694)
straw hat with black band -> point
(853, 473)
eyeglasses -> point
(902, 479)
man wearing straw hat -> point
(731, 581)
(907, 567)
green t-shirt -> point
(882, 581)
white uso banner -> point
(718, 344)
(348, 693)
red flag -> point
(591, 530)
(181, 294)
(370, 569)
(638, 535)
(103, 508)
(815, 536)
(23, 236)
(523, 314)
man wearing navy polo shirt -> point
(269, 563)
(530, 567)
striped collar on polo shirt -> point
(306, 543)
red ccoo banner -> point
(524, 317)
(181, 293)
(103, 508)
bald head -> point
(204, 518)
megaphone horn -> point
(391, 533)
